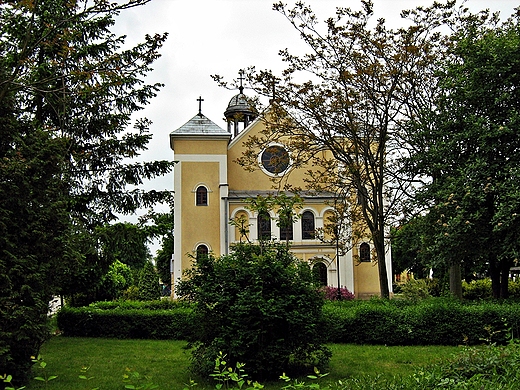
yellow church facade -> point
(211, 189)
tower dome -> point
(239, 113)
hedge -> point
(125, 323)
(430, 322)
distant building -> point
(211, 189)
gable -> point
(261, 178)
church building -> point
(211, 189)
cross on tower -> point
(275, 82)
(241, 77)
(200, 100)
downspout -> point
(226, 226)
(224, 201)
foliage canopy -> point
(348, 96)
(68, 90)
(466, 143)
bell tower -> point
(240, 112)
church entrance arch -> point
(319, 272)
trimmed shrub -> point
(514, 289)
(477, 289)
(258, 306)
(149, 288)
(126, 323)
(159, 304)
(432, 321)
(415, 289)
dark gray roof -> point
(201, 125)
(239, 104)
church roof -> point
(239, 104)
(199, 125)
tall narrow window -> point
(364, 252)
(202, 251)
(286, 232)
(264, 226)
(202, 196)
(308, 225)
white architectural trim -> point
(207, 245)
(261, 165)
(177, 221)
(194, 192)
(347, 272)
(224, 211)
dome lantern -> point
(240, 112)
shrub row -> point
(162, 304)
(481, 289)
(430, 322)
(135, 323)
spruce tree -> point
(67, 93)
(149, 288)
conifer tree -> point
(67, 93)
(149, 288)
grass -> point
(165, 363)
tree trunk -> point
(504, 279)
(494, 272)
(456, 280)
(379, 244)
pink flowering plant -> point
(331, 293)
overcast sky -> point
(220, 37)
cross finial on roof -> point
(200, 100)
(275, 82)
(241, 77)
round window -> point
(275, 159)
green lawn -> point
(165, 363)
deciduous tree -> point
(469, 147)
(347, 97)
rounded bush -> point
(258, 306)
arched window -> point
(264, 226)
(319, 272)
(241, 224)
(202, 196)
(308, 227)
(286, 231)
(364, 252)
(202, 251)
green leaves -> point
(259, 306)
(470, 149)
(68, 93)
(136, 381)
(41, 365)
